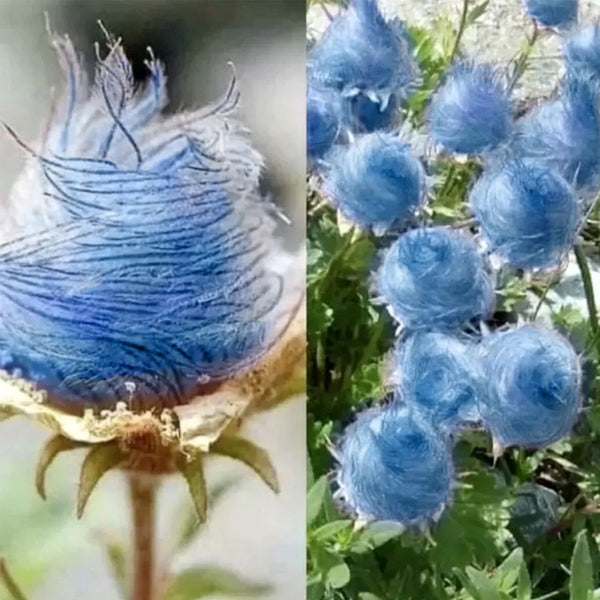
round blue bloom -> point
(376, 181)
(533, 387)
(324, 119)
(394, 467)
(552, 13)
(565, 133)
(471, 112)
(527, 212)
(361, 53)
(433, 278)
(365, 115)
(145, 274)
(582, 51)
(441, 374)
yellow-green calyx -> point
(171, 440)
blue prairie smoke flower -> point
(441, 375)
(582, 51)
(361, 54)
(393, 466)
(565, 133)
(433, 278)
(471, 112)
(143, 267)
(527, 212)
(324, 120)
(533, 380)
(552, 13)
(375, 182)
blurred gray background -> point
(250, 531)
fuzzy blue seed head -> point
(394, 467)
(533, 387)
(471, 112)
(552, 13)
(146, 271)
(582, 51)
(365, 115)
(441, 375)
(324, 120)
(375, 182)
(565, 134)
(433, 278)
(528, 213)
(361, 53)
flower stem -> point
(142, 491)
(588, 288)
(9, 582)
(461, 29)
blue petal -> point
(553, 13)
(146, 271)
(565, 133)
(471, 112)
(324, 119)
(534, 381)
(361, 51)
(394, 466)
(528, 213)
(376, 181)
(582, 51)
(442, 376)
(433, 278)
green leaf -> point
(376, 534)
(338, 576)
(330, 530)
(581, 584)
(508, 572)
(201, 582)
(476, 12)
(485, 587)
(368, 596)
(315, 499)
(524, 583)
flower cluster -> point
(448, 371)
(364, 66)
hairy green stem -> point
(588, 288)
(142, 493)
(521, 65)
(461, 29)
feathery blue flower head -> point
(324, 119)
(552, 13)
(365, 115)
(433, 278)
(394, 467)
(145, 273)
(471, 112)
(361, 53)
(441, 374)
(582, 51)
(533, 387)
(565, 133)
(527, 212)
(375, 181)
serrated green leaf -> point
(200, 582)
(375, 535)
(581, 583)
(315, 499)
